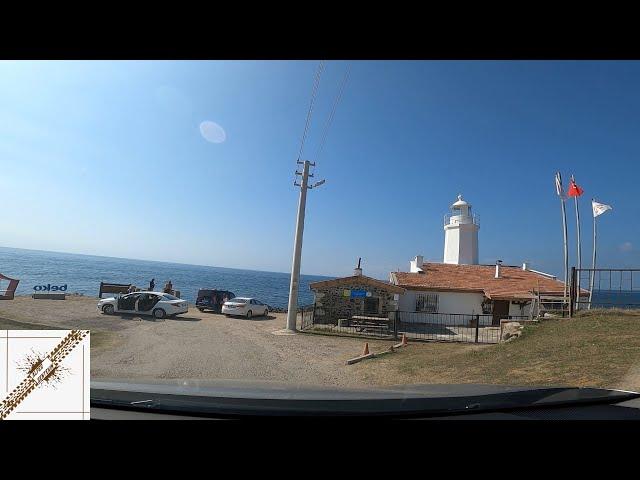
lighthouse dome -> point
(460, 202)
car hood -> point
(237, 397)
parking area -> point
(198, 345)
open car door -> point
(127, 303)
(147, 301)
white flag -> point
(599, 208)
(559, 185)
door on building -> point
(371, 305)
(500, 311)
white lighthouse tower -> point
(461, 234)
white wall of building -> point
(448, 302)
(452, 302)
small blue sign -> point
(358, 293)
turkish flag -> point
(574, 189)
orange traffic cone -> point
(366, 349)
(404, 339)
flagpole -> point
(566, 253)
(579, 246)
(593, 261)
(560, 193)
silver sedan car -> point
(245, 307)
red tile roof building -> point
(514, 282)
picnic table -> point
(367, 323)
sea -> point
(615, 299)
(83, 273)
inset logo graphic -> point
(36, 364)
(44, 374)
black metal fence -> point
(604, 288)
(447, 327)
(305, 317)
(450, 327)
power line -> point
(314, 91)
(333, 111)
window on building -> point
(427, 302)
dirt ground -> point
(196, 345)
(599, 349)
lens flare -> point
(212, 132)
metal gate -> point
(604, 288)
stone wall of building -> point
(336, 301)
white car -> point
(243, 306)
(158, 304)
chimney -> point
(498, 263)
(358, 271)
(415, 265)
(525, 266)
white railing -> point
(474, 219)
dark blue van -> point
(212, 299)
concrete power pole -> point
(297, 249)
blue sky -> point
(107, 158)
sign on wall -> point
(356, 293)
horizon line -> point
(158, 261)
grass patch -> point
(598, 348)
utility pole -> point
(297, 248)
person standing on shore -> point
(168, 288)
(152, 284)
